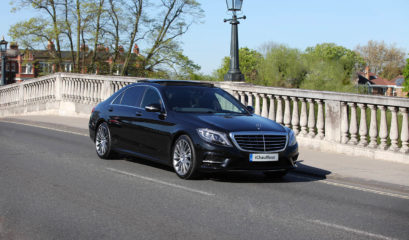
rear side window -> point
(118, 99)
(151, 97)
(132, 96)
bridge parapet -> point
(364, 125)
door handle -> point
(110, 109)
(138, 113)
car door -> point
(153, 127)
(122, 115)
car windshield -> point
(200, 99)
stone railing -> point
(361, 125)
(355, 124)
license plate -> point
(263, 157)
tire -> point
(103, 142)
(275, 174)
(184, 160)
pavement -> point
(322, 165)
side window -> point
(151, 96)
(132, 96)
(118, 99)
(226, 105)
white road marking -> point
(352, 230)
(354, 187)
(48, 128)
(161, 182)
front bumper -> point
(218, 158)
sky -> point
(295, 23)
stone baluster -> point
(404, 135)
(69, 87)
(279, 114)
(353, 126)
(311, 117)
(320, 119)
(94, 91)
(363, 129)
(257, 104)
(287, 111)
(295, 120)
(99, 92)
(249, 99)
(373, 127)
(383, 129)
(344, 123)
(264, 111)
(303, 118)
(242, 98)
(271, 111)
(86, 91)
(236, 95)
(394, 131)
(72, 90)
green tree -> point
(282, 66)
(338, 55)
(325, 75)
(249, 61)
(406, 76)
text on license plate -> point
(263, 157)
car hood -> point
(234, 123)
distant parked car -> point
(194, 127)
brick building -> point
(27, 64)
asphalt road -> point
(53, 186)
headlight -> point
(292, 140)
(212, 136)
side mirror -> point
(250, 109)
(154, 107)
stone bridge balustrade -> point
(324, 118)
(371, 126)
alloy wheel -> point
(182, 157)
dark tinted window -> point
(151, 96)
(201, 99)
(118, 99)
(132, 96)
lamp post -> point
(3, 51)
(234, 73)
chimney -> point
(50, 46)
(367, 72)
(14, 46)
(136, 49)
(121, 49)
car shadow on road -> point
(303, 173)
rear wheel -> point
(103, 141)
(184, 160)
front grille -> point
(258, 142)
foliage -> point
(282, 67)
(406, 76)
(75, 24)
(385, 60)
(249, 61)
(339, 57)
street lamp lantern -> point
(3, 51)
(234, 73)
(234, 5)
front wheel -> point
(103, 141)
(184, 160)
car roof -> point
(163, 82)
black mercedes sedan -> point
(193, 127)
